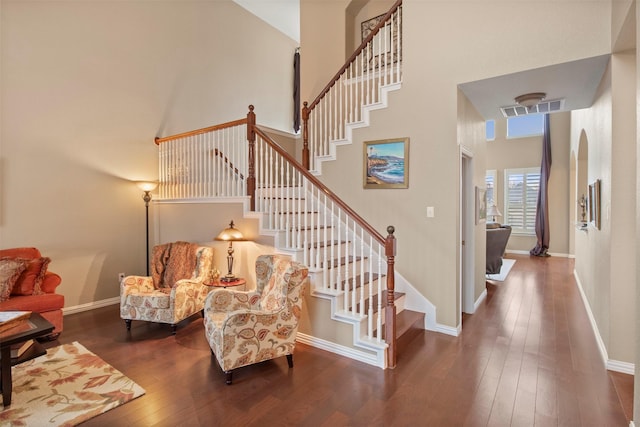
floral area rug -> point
(65, 387)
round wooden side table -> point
(217, 283)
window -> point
(490, 130)
(523, 126)
(491, 183)
(521, 198)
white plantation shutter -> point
(521, 197)
(492, 189)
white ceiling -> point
(575, 81)
(283, 15)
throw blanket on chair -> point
(172, 262)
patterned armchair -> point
(175, 290)
(249, 327)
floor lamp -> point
(147, 187)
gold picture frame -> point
(374, 57)
(386, 163)
(594, 203)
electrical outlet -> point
(120, 277)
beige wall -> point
(472, 142)
(605, 257)
(636, 382)
(503, 153)
(202, 222)
(369, 10)
(426, 110)
(86, 86)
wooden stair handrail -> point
(306, 107)
(348, 62)
(376, 235)
(200, 131)
(389, 242)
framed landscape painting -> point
(386, 163)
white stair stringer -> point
(363, 348)
(372, 351)
(350, 126)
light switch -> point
(430, 212)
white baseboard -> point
(447, 330)
(556, 254)
(331, 347)
(631, 424)
(90, 306)
(610, 364)
(481, 298)
(622, 367)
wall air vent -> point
(550, 106)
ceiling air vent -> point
(550, 106)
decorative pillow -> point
(30, 280)
(10, 270)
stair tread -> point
(292, 198)
(359, 280)
(317, 245)
(315, 227)
(397, 296)
(409, 323)
(336, 262)
(294, 213)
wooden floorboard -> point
(527, 357)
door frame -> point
(466, 244)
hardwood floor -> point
(527, 357)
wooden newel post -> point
(390, 308)
(251, 138)
(305, 135)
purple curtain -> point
(296, 91)
(542, 209)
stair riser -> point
(286, 205)
(315, 259)
(280, 192)
(318, 281)
(284, 220)
(343, 269)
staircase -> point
(347, 268)
(351, 264)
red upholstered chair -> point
(33, 289)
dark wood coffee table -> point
(34, 327)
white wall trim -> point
(592, 320)
(447, 330)
(631, 424)
(331, 347)
(557, 254)
(481, 298)
(610, 364)
(622, 367)
(90, 306)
